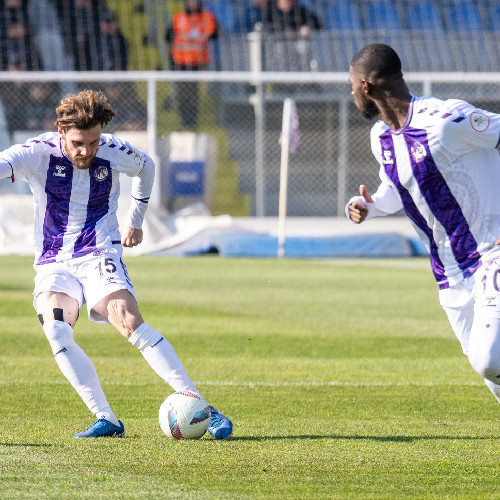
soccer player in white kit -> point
(74, 176)
(440, 162)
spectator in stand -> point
(80, 20)
(38, 111)
(14, 93)
(28, 105)
(113, 49)
(288, 17)
(188, 36)
(16, 33)
(289, 46)
(256, 13)
(130, 111)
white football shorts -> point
(87, 279)
(474, 300)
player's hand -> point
(131, 237)
(498, 241)
(358, 211)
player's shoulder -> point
(119, 152)
(457, 104)
(443, 114)
(112, 146)
(430, 108)
(47, 140)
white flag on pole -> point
(289, 142)
(290, 128)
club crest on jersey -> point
(418, 151)
(479, 121)
(387, 160)
(101, 173)
(60, 171)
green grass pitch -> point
(343, 380)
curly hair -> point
(84, 111)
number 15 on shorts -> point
(113, 271)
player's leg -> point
(484, 342)
(120, 309)
(114, 301)
(458, 303)
(484, 351)
(58, 312)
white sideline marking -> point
(220, 383)
(334, 383)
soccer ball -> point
(184, 415)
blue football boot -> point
(103, 428)
(220, 427)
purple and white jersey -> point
(443, 168)
(75, 209)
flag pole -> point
(285, 145)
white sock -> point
(162, 358)
(77, 368)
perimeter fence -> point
(236, 130)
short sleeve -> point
(469, 127)
(127, 159)
(22, 158)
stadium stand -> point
(463, 15)
(224, 14)
(381, 14)
(493, 18)
(17, 40)
(422, 15)
(48, 35)
(55, 35)
(339, 15)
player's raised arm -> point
(142, 185)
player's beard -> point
(81, 162)
(368, 109)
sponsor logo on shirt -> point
(100, 252)
(101, 173)
(60, 171)
(479, 121)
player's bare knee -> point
(128, 325)
(122, 319)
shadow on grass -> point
(24, 445)
(391, 439)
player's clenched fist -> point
(358, 210)
(131, 237)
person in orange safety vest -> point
(188, 35)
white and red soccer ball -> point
(184, 415)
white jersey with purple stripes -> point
(75, 209)
(443, 167)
